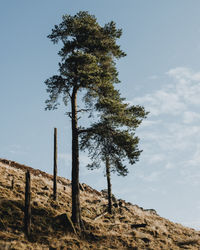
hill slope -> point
(130, 227)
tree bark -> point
(27, 210)
(109, 186)
(55, 166)
(76, 211)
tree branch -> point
(80, 131)
(83, 110)
(69, 114)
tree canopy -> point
(87, 58)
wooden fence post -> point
(27, 210)
(55, 166)
(12, 183)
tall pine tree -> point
(87, 63)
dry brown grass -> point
(130, 227)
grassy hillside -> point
(130, 227)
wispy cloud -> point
(156, 158)
(169, 165)
(171, 134)
(154, 176)
(191, 117)
(182, 90)
(187, 84)
(184, 74)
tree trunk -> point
(109, 186)
(55, 166)
(27, 209)
(76, 211)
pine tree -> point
(113, 140)
(87, 64)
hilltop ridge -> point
(130, 226)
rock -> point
(154, 233)
(104, 191)
(151, 211)
(120, 203)
(115, 205)
(129, 203)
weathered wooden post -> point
(12, 183)
(27, 210)
(55, 166)
(109, 186)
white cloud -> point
(149, 123)
(172, 131)
(175, 97)
(189, 175)
(161, 102)
(157, 158)
(152, 177)
(183, 73)
(190, 117)
(187, 84)
(195, 158)
(169, 165)
(184, 132)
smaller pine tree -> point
(113, 140)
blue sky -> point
(161, 72)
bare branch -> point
(83, 110)
(69, 114)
